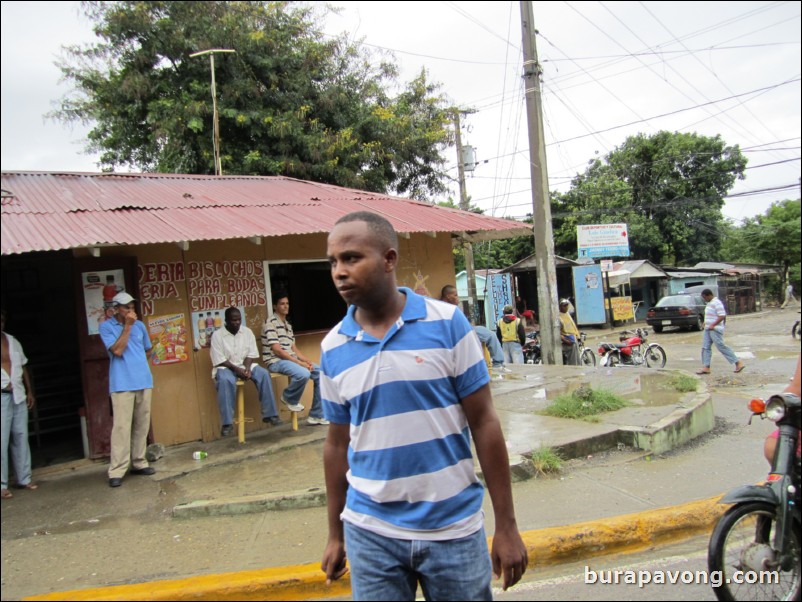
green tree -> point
(290, 101)
(774, 237)
(668, 188)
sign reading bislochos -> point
(603, 240)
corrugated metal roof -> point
(529, 263)
(45, 211)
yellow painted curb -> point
(554, 545)
(298, 582)
(620, 534)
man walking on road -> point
(131, 386)
(405, 385)
(715, 317)
(789, 296)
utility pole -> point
(466, 244)
(218, 166)
(551, 345)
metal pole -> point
(218, 165)
(541, 204)
(467, 246)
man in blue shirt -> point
(130, 385)
(405, 387)
(449, 294)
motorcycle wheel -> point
(655, 356)
(744, 533)
(588, 358)
(795, 330)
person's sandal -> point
(703, 372)
(6, 494)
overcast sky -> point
(611, 69)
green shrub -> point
(684, 383)
(585, 402)
(546, 460)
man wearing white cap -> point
(131, 385)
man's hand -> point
(31, 401)
(509, 557)
(334, 561)
(130, 318)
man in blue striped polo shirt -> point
(405, 386)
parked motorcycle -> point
(795, 330)
(756, 543)
(586, 355)
(531, 349)
(632, 350)
(533, 355)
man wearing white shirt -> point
(233, 351)
(17, 400)
(715, 317)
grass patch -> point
(584, 403)
(683, 383)
(546, 460)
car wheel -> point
(700, 323)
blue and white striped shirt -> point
(411, 473)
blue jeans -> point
(513, 352)
(713, 337)
(226, 383)
(15, 432)
(390, 569)
(299, 376)
(493, 346)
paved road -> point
(611, 577)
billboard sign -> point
(602, 240)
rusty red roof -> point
(47, 211)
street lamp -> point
(218, 166)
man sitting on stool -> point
(233, 351)
(281, 356)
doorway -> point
(37, 293)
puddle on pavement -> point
(774, 354)
(637, 387)
(259, 475)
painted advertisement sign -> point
(602, 240)
(168, 334)
(99, 290)
(500, 294)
